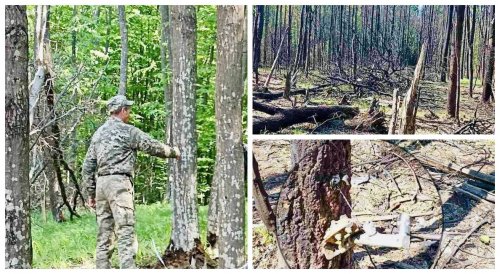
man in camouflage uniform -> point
(111, 157)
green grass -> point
(72, 244)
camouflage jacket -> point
(113, 150)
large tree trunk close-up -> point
(309, 202)
(18, 250)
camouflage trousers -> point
(115, 215)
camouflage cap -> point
(117, 102)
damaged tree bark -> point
(282, 118)
(185, 241)
(18, 250)
(310, 200)
(410, 104)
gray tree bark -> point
(410, 103)
(122, 90)
(185, 232)
(18, 250)
(166, 61)
(39, 80)
(229, 158)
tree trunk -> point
(490, 64)
(39, 80)
(394, 116)
(308, 202)
(229, 157)
(275, 62)
(446, 51)
(257, 40)
(471, 50)
(18, 250)
(453, 92)
(166, 59)
(185, 234)
(410, 104)
(122, 90)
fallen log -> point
(452, 167)
(282, 118)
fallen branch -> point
(277, 95)
(452, 167)
(464, 239)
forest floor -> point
(432, 117)
(71, 244)
(374, 192)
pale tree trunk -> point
(410, 103)
(394, 116)
(39, 80)
(185, 234)
(229, 158)
(122, 90)
(18, 250)
(308, 196)
(166, 60)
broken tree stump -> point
(410, 104)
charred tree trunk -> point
(282, 118)
(18, 250)
(490, 64)
(454, 91)
(446, 50)
(122, 90)
(185, 233)
(257, 40)
(309, 202)
(471, 50)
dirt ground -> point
(381, 184)
(432, 118)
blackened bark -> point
(453, 92)
(308, 202)
(446, 50)
(490, 65)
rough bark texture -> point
(18, 250)
(454, 91)
(490, 68)
(410, 104)
(122, 90)
(282, 118)
(166, 58)
(185, 216)
(308, 202)
(229, 91)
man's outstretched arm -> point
(89, 170)
(143, 142)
